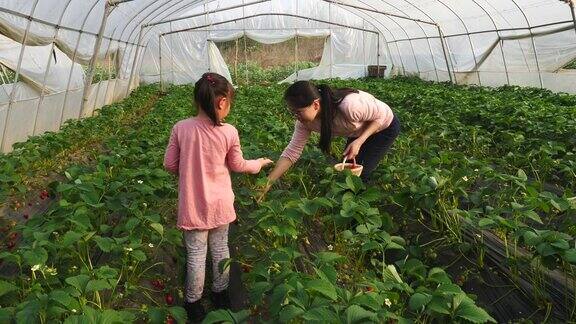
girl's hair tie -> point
(210, 79)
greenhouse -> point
(470, 216)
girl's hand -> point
(264, 162)
(353, 149)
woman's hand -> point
(282, 166)
(264, 162)
(353, 149)
(263, 191)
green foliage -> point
(484, 155)
(253, 73)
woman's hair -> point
(302, 93)
(207, 89)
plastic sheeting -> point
(22, 92)
(62, 74)
(486, 42)
(454, 17)
(411, 39)
(188, 54)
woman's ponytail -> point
(327, 113)
(303, 93)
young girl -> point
(202, 151)
(369, 124)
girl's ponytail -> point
(207, 89)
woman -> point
(369, 124)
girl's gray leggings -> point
(197, 242)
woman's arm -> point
(374, 114)
(354, 148)
(281, 167)
(292, 152)
(290, 155)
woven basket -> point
(356, 169)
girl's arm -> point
(236, 161)
(172, 155)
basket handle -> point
(353, 161)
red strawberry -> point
(44, 194)
(170, 320)
(369, 289)
(11, 245)
(158, 284)
(169, 299)
(13, 236)
(26, 216)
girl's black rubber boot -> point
(221, 299)
(195, 311)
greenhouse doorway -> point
(251, 62)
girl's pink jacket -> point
(202, 155)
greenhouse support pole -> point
(296, 53)
(296, 46)
(112, 75)
(100, 82)
(400, 57)
(364, 46)
(236, 61)
(246, 58)
(533, 43)
(537, 61)
(442, 40)
(172, 75)
(245, 40)
(17, 74)
(377, 56)
(54, 38)
(329, 36)
(70, 75)
(134, 63)
(208, 58)
(94, 58)
(571, 4)
(48, 66)
(160, 62)
(504, 60)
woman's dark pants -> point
(373, 150)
